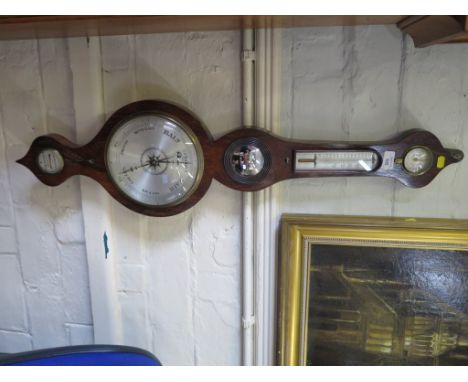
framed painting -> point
(372, 291)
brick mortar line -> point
(14, 331)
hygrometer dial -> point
(155, 160)
(50, 161)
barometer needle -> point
(165, 160)
(131, 169)
(149, 163)
(176, 162)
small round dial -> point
(154, 160)
(50, 161)
(418, 160)
(247, 160)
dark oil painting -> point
(387, 306)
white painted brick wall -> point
(14, 342)
(135, 317)
(79, 334)
(13, 309)
(6, 218)
(7, 240)
(43, 280)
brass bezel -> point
(188, 131)
(300, 232)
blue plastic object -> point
(85, 355)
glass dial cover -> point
(247, 160)
(418, 160)
(50, 161)
(154, 160)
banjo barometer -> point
(156, 158)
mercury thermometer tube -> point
(336, 160)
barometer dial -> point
(154, 160)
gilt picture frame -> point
(358, 290)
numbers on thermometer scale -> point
(365, 161)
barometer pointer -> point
(155, 164)
(246, 159)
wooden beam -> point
(27, 27)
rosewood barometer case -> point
(157, 159)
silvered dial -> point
(154, 160)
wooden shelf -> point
(430, 30)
